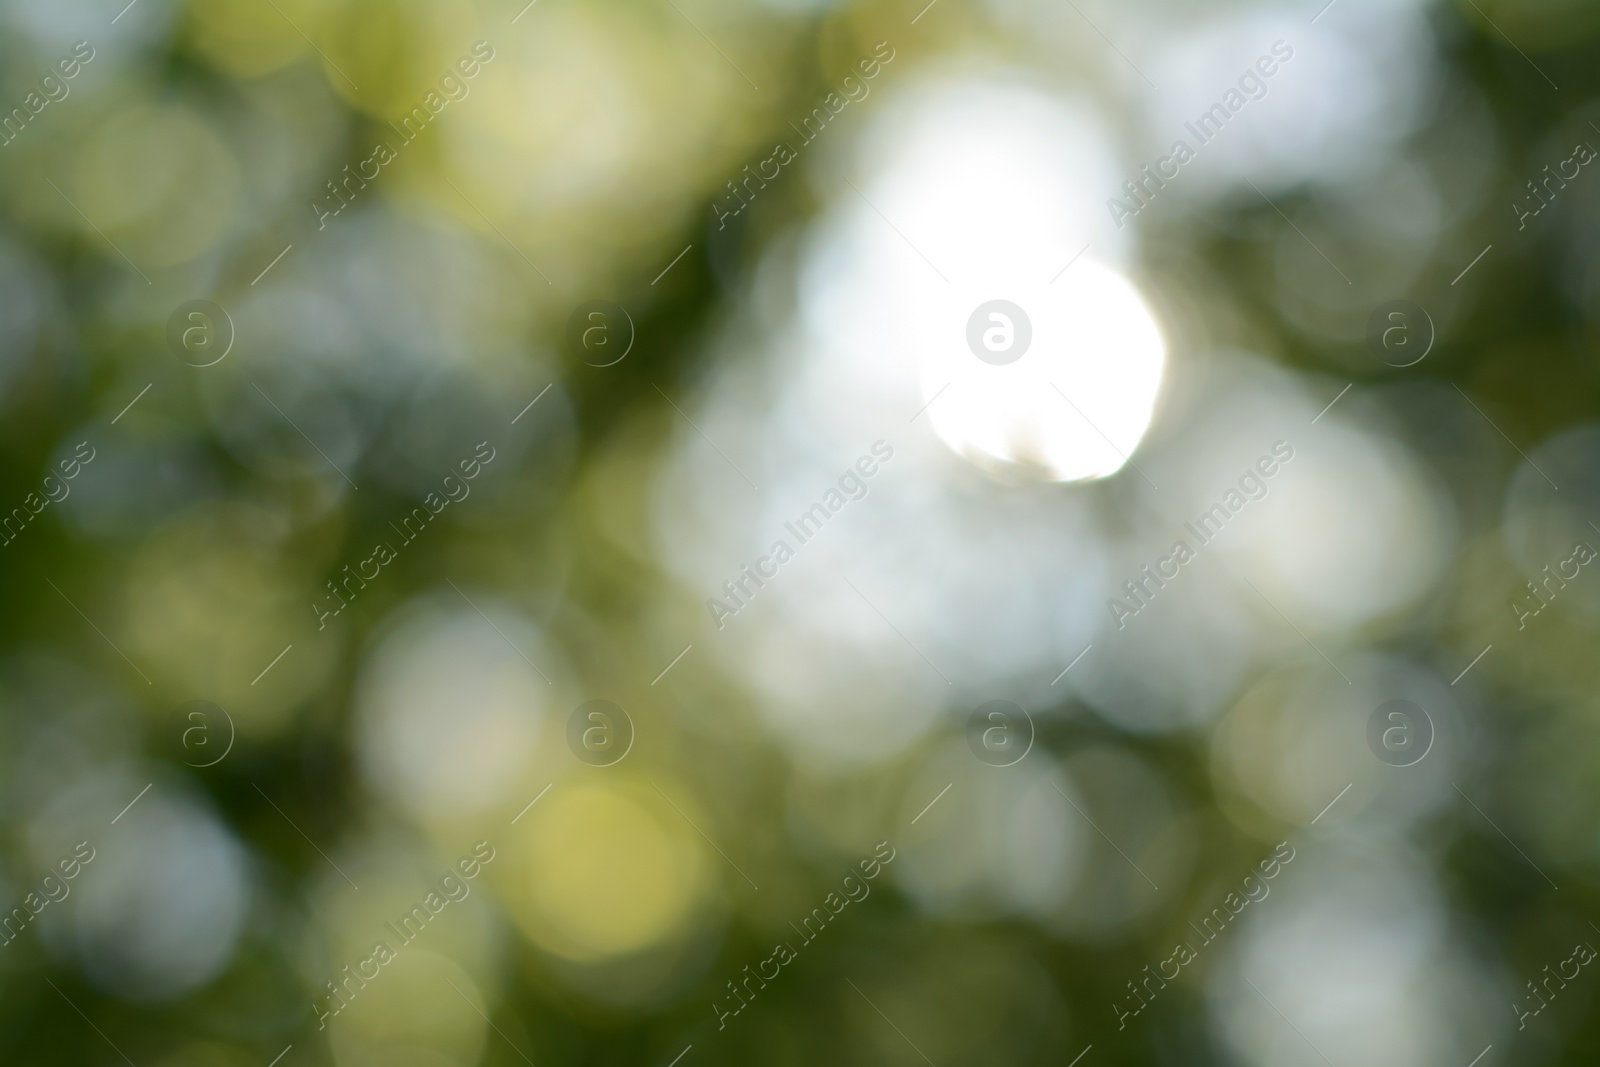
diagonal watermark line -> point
(1102, 833)
(1503, 834)
(929, 404)
(101, 232)
(896, 629)
(132, 402)
(1473, 664)
(263, 274)
(499, 231)
(1474, 263)
(302, 833)
(280, 1056)
(1070, 262)
(1502, 433)
(124, 11)
(674, 262)
(1114, 48)
(1286, 1019)
(532, 402)
(1301, 232)
(896, 229)
(313, 44)
(924, 11)
(1485, 1052)
(1331, 803)
(1125, 457)
(1297, 630)
(1079, 1056)
(101, 632)
(524, 11)
(1513, 44)
(1332, 402)
(702, 833)
(708, 440)
(673, 664)
(713, 44)
(1073, 664)
(490, 1021)
(302, 433)
(501, 632)
(531, 803)
(931, 803)
(679, 1056)
(90, 1021)
(890, 1021)
(132, 802)
(1324, 11)
(273, 664)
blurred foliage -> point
(384, 345)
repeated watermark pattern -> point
(854, 889)
(1400, 333)
(1141, 592)
(1213, 924)
(454, 86)
(455, 490)
(999, 332)
(1140, 193)
(52, 890)
(599, 732)
(852, 89)
(451, 889)
(56, 489)
(52, 89)
(1582, 956)
(200, 333)
(198, 718)
(1550, 586)
(1544, 194)
(600, 333)
(751, 579)
(1000, 733)
(1400, 733)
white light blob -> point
(1350, 963)
(1544, 527)
(929, 583)
(1009, 844)
(1076, 404)
(1350, 89)
(448, 712)
(159, 908)
(1345, 528)
(1358, 531)
(980, 192)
